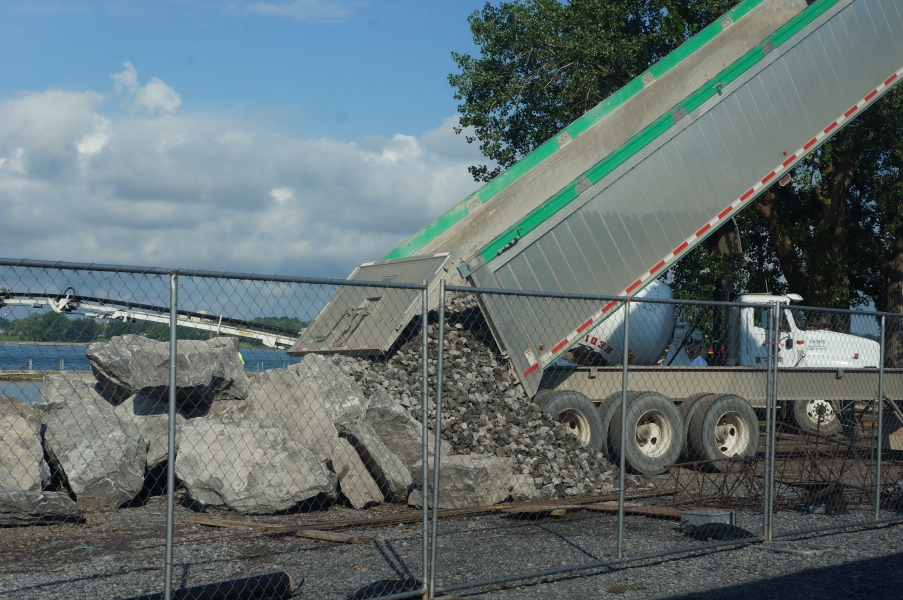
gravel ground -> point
(118, 554)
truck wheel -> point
(687, 409)
(817, 417)
(576, 412)
(607, 410)
(723, 427)
(655, 436)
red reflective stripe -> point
(608, 306)
(703, 230)
(725, 211)
(872, 95)
(889, 79)
(531, 369)
(681, 248)
(747, 194)
(811, 143)
(559, 346)
(788, 161)
(657, 267)
(851, 111)
(586, 324)
(634, 286)
(767, 177)
(831, 126)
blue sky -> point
(290, 136)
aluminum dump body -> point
(514, 194)
(631, 216)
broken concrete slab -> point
(389, 471)
(22, 465)
(102, 458)
(282, 399)
(339, 393)
(206, 369)
(248, 467)
(150, 416)
(355, 480)
(469, 481)
(399, 431)
(23, 508)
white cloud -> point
(153, 98)
(298, 10)
(203, 191)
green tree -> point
(544, 63)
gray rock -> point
(206, 369)
(247, 467)
(102, 458)
(22, 465)
(339, 393)
(523, 488)
(355, 481)
(282, 399)
(389, 471)
(19, 507)
(60, 388)
(150, 416)
(398, 430)
(470, 481)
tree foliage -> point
(543, 64)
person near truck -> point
(696, 359)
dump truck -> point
(622, 193)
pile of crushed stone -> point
(484, 408)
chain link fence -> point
(275, 436)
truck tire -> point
(687, 409)
(576, 412)
(655, 436)
(723, 427)
(817, 417)
(607, 410)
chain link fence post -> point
(171, 459)
(879, 446)
(425, 401)
(623, 449)
(440, 357)
(770, 425)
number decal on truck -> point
(595, 342)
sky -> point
(294, 137)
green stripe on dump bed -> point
(614, 160)
(575, 129)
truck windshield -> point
(761, 319)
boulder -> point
(339, 393)
(355, 481)
(150, 416)
(22, 465)
(19, 507)
(60, 388)
(101, 457)
(282, 399)
(389, 471)
(399, 431)
(248, 467)
(469, 480)
(207, 370)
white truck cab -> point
(799, 347)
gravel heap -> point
(484, 408)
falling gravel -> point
(484, 408)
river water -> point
(53, 357)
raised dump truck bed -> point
(603, 132)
